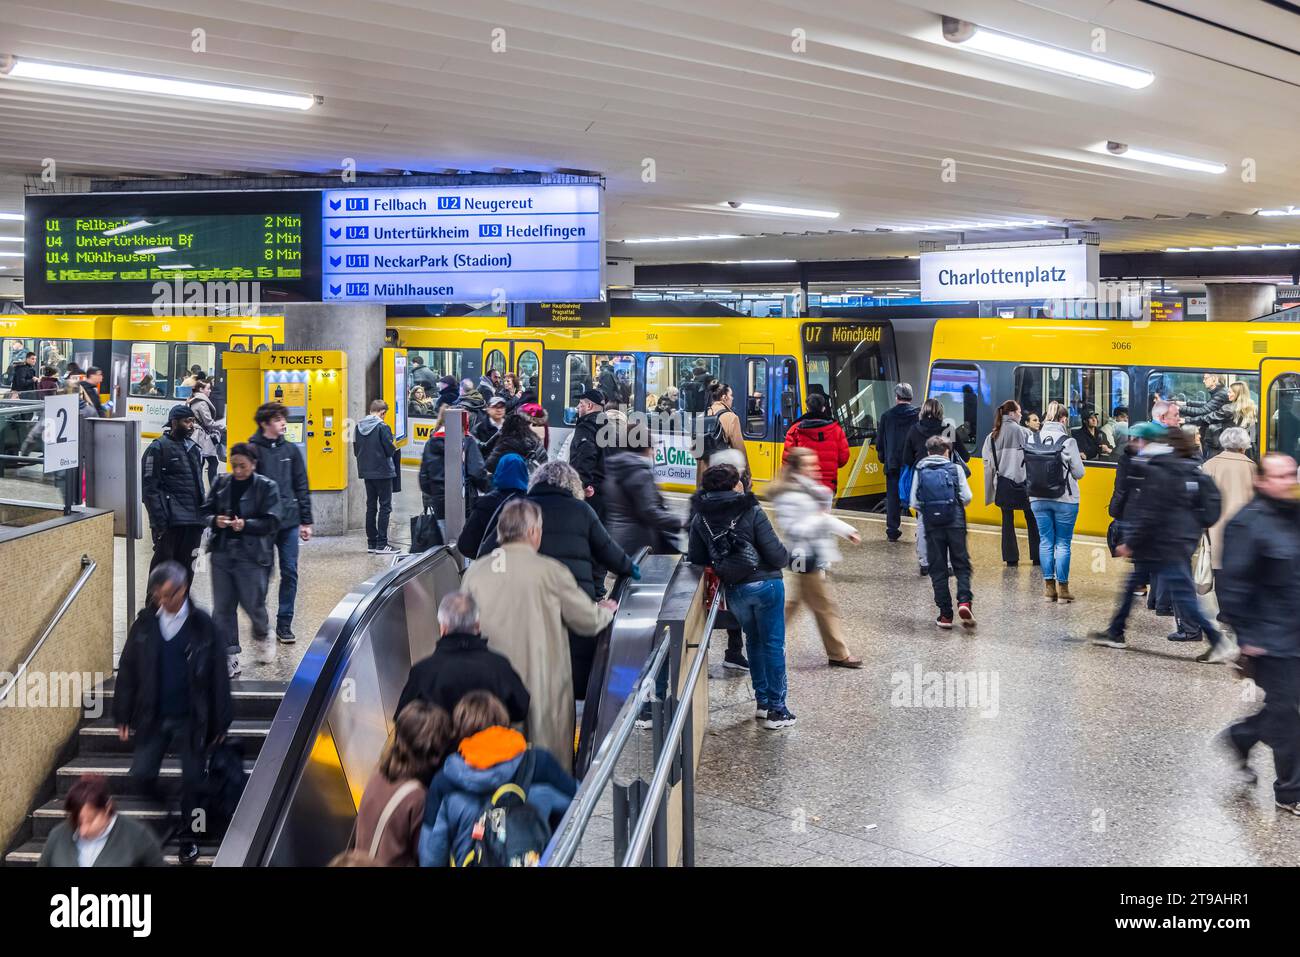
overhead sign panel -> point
(1060, 269)
(462, 244)
(138, 249)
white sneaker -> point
(264, 650)
(384, 550)
(232, 665)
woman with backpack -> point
(1004, 480)
(1053, 468)
(392, 805)
(473, 784)
(730, 532)
(803, 510)
(817, 431)
(510, 480)
(724, 442)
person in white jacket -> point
(803, 511)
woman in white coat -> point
(803, 510)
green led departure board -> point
(116, 249)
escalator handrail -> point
(300, 715)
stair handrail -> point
(88, 566)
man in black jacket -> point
(90, 385)
(1167, 525)
(282, 462)
(1259, 596)
(587, 456)
(23, 374)
(1212, 416)
(172, 686)
(172, 487)
(461, 662)
(891, 448)
(374, 449)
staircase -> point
(97, 749)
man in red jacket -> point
(816, 430)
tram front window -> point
(1284, 415)
(855, 370)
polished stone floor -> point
(1066, 753)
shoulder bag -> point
(1007, 493)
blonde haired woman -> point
(803, 510)
(1245, 414)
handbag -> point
(1203, 567)
(425, 533)
(905, 477)
(1007, 493)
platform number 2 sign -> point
(61, 433)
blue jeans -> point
(760, 608)
(1176, 578)
(286, 546)
(1055, 529)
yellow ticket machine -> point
(312, 386)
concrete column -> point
(358, 330)
(1239, 301)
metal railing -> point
(88, 566)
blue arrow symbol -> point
(335, 290)
(335, 233)
(335, 260)
(335, 204)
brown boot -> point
(1063, 591)
(1049, 589)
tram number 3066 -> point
(1121, 344)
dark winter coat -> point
(170, 483)
(24, 377)
(1259, 585)
(635, 513)
(258, 507)
(1165, 526)
(1129, 477)
(718, 509)
(529, 449)
(573, 535)
(891, 436)
(827, 439)
(281, 461)
(373, 447)
(462, 663)
(1213, 416)
(137, 694)
(479, 521)
(921, 432)
(587, 456)
(433, 475)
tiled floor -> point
(1085, 755)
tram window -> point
(755, 398)
(614, 375)
(53, 352)
(496, 359)
(150, 369)
(526, 368)
(665, 377)
(441, 362)
(192, 359)
(1212, 400)
(857, 385)
(787, 387)
(957, 387)
(1083, 392)
(1284, 415)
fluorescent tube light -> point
(23, 68)
(1164, 159)
(1043, 56)
(680, 239)
(12, 217)
(11, 239)
(1289, 211)
(782, 210)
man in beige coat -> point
(527, 604)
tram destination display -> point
(142, 249)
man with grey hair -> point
(462, 662)
(891, 447)
(529, 605)
(575, 536)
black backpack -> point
(1045, 474)
(510, 832)
(1207, 503)
(715, 437)
(224, 786)
(694, 396)
(937, 494)
(733, 559)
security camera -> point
(733, 204)
(1119, 149)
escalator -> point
(299, 806)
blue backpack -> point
(937, 494)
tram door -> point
(1279, 413)
(523, 357)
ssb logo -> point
(489, 229)
(449, 202)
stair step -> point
(162, 819)
(29, 855)
(117, 769)
(100, 737)
(252, 699)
